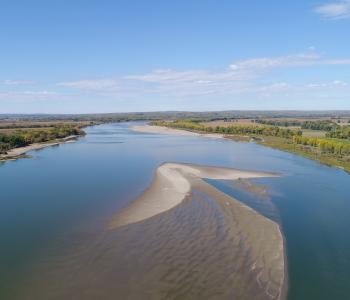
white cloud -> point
(17, 82)
(332, 84)
(309, 58)
(242, 77)
(91, 84)
(28, 95)
(336, 62)
(339, 83)
(295, 60)
(334, 10)
(276, 87)
(192, 82)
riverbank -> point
(251, 232)
(20, 152)
(279, 143)
(307, 152)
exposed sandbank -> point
(166, 130)
(20, 151)
(170, 186)
(259, 241)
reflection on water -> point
(55, 206)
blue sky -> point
(113, 56)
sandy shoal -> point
(258, 237)
(170, 185)
(166, 130)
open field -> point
(314, 133)
(281, 122)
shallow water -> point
(55, 207)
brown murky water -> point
(189, 252)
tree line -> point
(232, 129)
(326, 146)
(21, 138)
(324, 125)
(336, 147)
(340, 133)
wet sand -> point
(197, 243)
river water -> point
(55, 207)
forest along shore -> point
(16, 139)
(20, 152)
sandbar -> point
(259, 240)
(173, 131)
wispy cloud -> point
(332, 84)
(336, 62)
(240, 76)
(294, 60)
(91, 84)
(28, 95)
(334, 10)
(251, 78)
(236, 78)
(193, 82)
(16, 82)
(309, 58)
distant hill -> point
(171, 115)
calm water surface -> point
(68, 192)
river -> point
(55, 208)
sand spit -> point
(170, 187)
(257, 242)
(20, 151)
(173, 131)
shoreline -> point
(20, 152)
(326, 160)
(255, 234)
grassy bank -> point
(341, 161)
